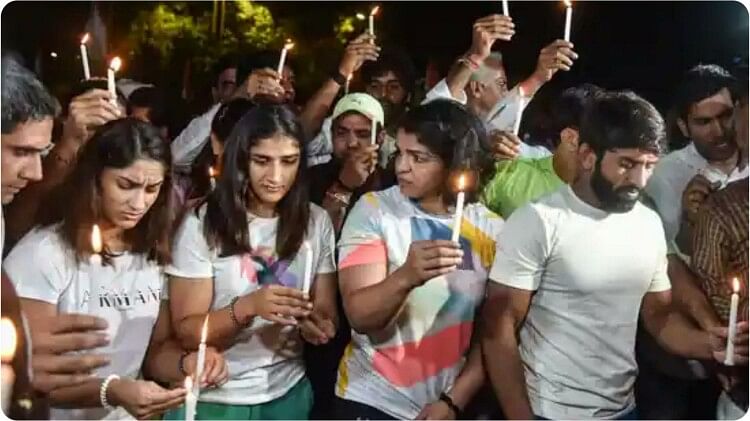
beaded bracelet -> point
(103, 391)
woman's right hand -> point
(429, 259)
(277, 304)
(143, 399)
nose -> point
(33, 170)
(352, 142)
(402, 165)
(717, 129)
(639, 176)
(138, 200)
(274, 173)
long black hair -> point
(77, 203)
(226, 214)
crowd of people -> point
(310, 246)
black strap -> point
(448, 401)
(337, 77)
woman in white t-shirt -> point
(409, 292)
(243, 258)
(119, 184)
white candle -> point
(519, 111)
(459, 208)
(374, 132)
(568, 18)
(85, 57)
(8, 351)
(346, 86)
(191, 401)
(307, 276)
(729, 358)
(212, 177)
(96, 247)
(201, 359)
(505, 8)
(373, 12)
(114, 66)
(288, 46)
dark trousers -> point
(349, 410)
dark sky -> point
(644, 46)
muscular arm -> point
(672, 330)
(687, 295)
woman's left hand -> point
(438, 410)
(215, 371)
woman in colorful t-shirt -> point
(409, 292)
(243, 258)
(120, 183)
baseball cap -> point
(360, 103)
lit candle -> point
(96, 246)
(519, 111)
(85, 57)
(287, 46)
(307, 276)
(373, 12)
(729, 359)
(568, 18)
(459, 208)
(191, 401)
(374, 132)
(7, 352)
(201, 359)
(114, 66)
(505, 8)
(346, 86)
(212, 177)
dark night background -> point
(644, 46)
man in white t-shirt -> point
(478, 79)
(576, 269)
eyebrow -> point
(138, 183)
(258, 155)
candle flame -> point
(204, 331)
(461, 182)
(360, 16)
(735, 285)
(8, 335)
(568, 3)
(375, 10)
(188, 383)
(289, 44)
(85, 38)
(96, 239)
(211, 172)
(115, 64)
(349, 78)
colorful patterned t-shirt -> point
(401, 370)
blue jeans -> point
(630, 415)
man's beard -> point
(613, 200)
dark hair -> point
(226, 214)
(24, 98)
(567, 109)
(701, 82)
(259, 60)
(622, 119)
(391, 60)
(225, 62)
(228, 115)
(149, 97)
(116, 144)
(457, 136)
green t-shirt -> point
(518, 182)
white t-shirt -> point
(405, 368)
(43, 267)
(265, 360)
(590, 271)
(189, 143)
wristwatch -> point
(337, 77)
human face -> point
(709, 126)
(350, 132)
(273, 167)
(741, 127)
(387, 88)
(128, 193)
(22, 152)
(288, 81)
(620, 177)
(225, 85)
(420, 173)
(494, 84)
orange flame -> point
(568, 3)
(96, 239)
(8, 335)
(115, 64)
(289, 44)
(375, 11)
(735, 285)
(211, 172)
(461, 182)
(85, 38)
(204, 331)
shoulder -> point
(44, 240)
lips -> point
(273, 189)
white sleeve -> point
(321, 144)
(37, 267)
(326, 242)
(660, 281)
(191, 255)
(441, 91)
(522, 250)
(189, 143)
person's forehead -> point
(386, 77)
(276, 146)
(142, 170)
(353, 121)
(712, 106)
(409, 141)
(35, 134)
(634, 154)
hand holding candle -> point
(114, 66)
(287, 46)
(460, 197)
(85, 57)
(729, 358)
(8, 342)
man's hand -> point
(486, 31)
(437, 411)
(358, 166)
(719, 343)
(693, 197)
(505, 145)
(317, 329)
(265, 82)
(357, 52)
(52, 367)
(558, 55)
(429, 259)
(88, 111)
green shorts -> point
(294, 405)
